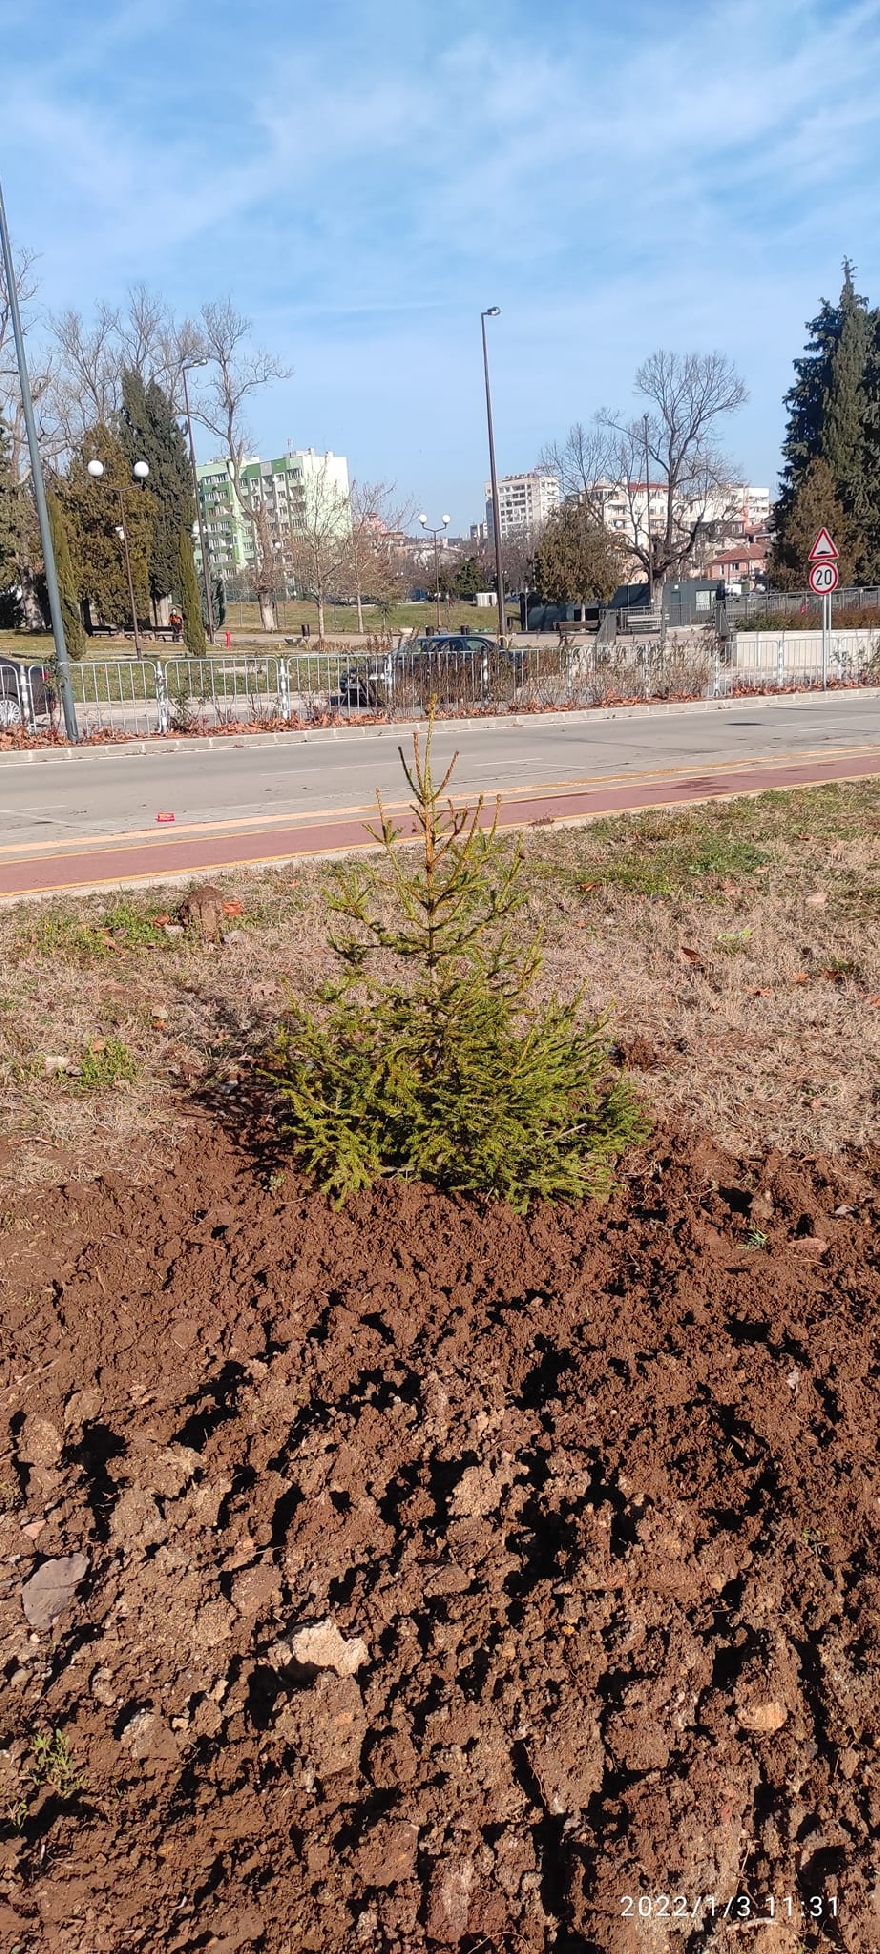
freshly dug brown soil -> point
(582, 1509)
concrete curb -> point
(318, 735)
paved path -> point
(92, 822)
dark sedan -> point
(455, 668)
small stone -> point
(762, 1717)
(40, 1443)
(817, 900)
(102, 1689)
(149, 1738)
(174, 929)
(449, 1895)
(55, 1062)
(82, 1407)
(319, 1645)
(49, 1592)
(255, 1590)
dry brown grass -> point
(741, 1001)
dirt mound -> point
(435, 1579)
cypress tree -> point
(186, 590)
(843, 426)
(74, 635)
(148, 431)
(827, 421)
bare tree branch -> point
(235, 373)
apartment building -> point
(524, 504)
(733, 509)
(284, 486)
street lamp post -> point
(206, 567)
(493, 312)
(140, 473)
(439, 531)
(648, 519)
(62, 664)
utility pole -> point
(62, 664)
(493, 312)
(648, 518)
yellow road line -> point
(232, 824)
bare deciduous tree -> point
(687, 396)
(142, 337)
(371, 564)
(236, 371)
(320, 543)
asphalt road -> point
(90, 821)
(120, 791)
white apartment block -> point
(734, 508)
(524, 504)
(286, 486)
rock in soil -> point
(454, 1580)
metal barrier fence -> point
(147, 697)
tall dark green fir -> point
(149, 432)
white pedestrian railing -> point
(124, 698)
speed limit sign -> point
(824, 577)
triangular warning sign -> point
(824, 550)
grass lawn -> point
(737, 946)
(243, 622)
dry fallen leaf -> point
(800, 977)
(810, 1245)
(692, 957)
(233, 908)
(818, 900)
(874, 998)
(160, 922)
(759, 990)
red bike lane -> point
(113, 860)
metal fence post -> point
(163, 715)
(284, 688)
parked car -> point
(26, 693)
(456, 668)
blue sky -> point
(362, 176)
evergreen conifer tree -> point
(74, 635)
(148, 431)
(827, 421)
(186, 590)
(816, 505)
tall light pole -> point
(439, 531)
(494, 312)
(62, 665)
(648, 518)
(140, 472)
(206, 567)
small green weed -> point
(106, 1062)
(60, 934)
(54, 1765)
(734, 943)
(756, 1238)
